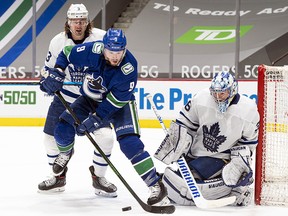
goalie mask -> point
(223, 89)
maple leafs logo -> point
(211, 138)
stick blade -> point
(170, 209)
(208, 204)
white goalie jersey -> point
(214, 132)
(73, 74)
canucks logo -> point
(93, 87)
(211, 138)
(127, 68)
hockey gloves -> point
(238, 171)
(90, 124)
(52, 80)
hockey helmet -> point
(114, 40)
(77, 11)
(222, 82)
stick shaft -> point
(146, 207)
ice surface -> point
(24, 164)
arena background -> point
(178, 50)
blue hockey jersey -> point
(112, 86)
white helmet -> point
(76, 11)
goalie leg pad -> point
(176, 188)
(179, 193)
(105, 139)
(176, 143)
(244, 195)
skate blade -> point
(105, 194)
(52, 191)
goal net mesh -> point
(271, 185)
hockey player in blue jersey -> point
(107, 97)
(217, 131)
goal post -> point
(271, 177)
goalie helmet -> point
(222, 82)
(77, 11)
(114, 40)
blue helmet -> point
(114, 40)
(221, 82)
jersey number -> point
(49, 55)
(132, 85)
(188, 106)
(80, 49)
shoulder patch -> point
(67, 50)
(97, 47)
(127, 68)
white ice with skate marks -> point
(24, 165)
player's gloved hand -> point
(238, 171)
(53, 80)
(90, 124)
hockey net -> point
(271, 180)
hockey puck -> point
(128, 208)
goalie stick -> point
(190, 181)
(153, 209)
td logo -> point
(211, 34)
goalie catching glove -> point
(238, 171)
(176, 143)
(52, 80)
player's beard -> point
(114, 62)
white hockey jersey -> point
(215, 133)
(70, 92)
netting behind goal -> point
(271, 181)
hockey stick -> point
(281, 57)
(2, 82)
(190, 181)
(153, 209)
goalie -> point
(216, 132)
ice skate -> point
(158, 195)
(61, 162)
(102, 186)
(54, 184)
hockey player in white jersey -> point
(217, 132)
(78, 30)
